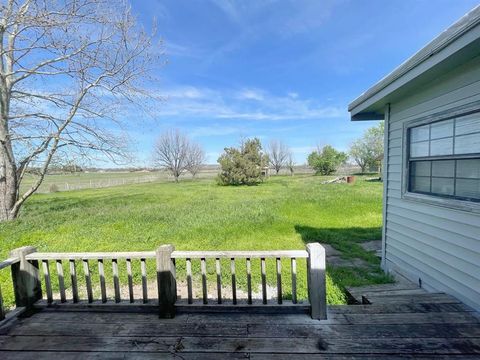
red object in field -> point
(350, 179)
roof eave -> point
(464, 32)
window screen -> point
(444, 158)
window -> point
(444, 158)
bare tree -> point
(175, 152)
(278, 154)
(66, 68)
(290, 164)
(195, 158)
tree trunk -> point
(8, 169)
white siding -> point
(439, 245)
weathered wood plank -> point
(25, 277)
(386, 346)
(203, 266)
(101, 274)
(61, 281)
(73, 279)
(48, 282)
(166, 281)
(279, 281)
(219, 280)
(91, 255)
(130, 280)
(88, 280)
(249, 281)
(131, 355)
(2, 308)
(347, 331)
(398, 308)
(317, 293)
(404, 285)
(189, 280)
(32, 327)
(293, 266)
(412, 318)
(143, 266)
(116, 280)
(234, 281)
(240, 254)
(263, 270)
(419, 298)
(357, 356)
(9, 262)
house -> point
(431, 108)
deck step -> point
(361, 294)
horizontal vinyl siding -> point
(437, 244)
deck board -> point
(414, 328)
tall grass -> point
(282, 213)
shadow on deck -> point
(422, 326)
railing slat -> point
(203, 264)
(88, 280)
(218, 268)
(48, 283)
(116, 281)
(279, 281)
(2, 308)
(294, 280)
(249, 281)
(143, 265)
(189, 280)
(264, 280)
(130, 280)
(61, 281)
(101, 274)
(234, 281)
(73, 277)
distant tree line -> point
(249, 163)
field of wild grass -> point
(282, 213)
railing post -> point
(26, 278)
(317, 294)
(166, 281)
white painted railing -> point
(27, 265)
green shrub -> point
(327, 160)
(243, 165)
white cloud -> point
(251, 94)
(193, 102)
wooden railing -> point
(26, 262)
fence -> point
(27, 265)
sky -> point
(283, 70)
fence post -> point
(166, 281)
(317, 294)
(26, 278)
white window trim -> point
(456, 204)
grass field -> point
(282, 213)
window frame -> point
(453, 202)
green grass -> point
(282, 213)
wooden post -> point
(26, 278)
(166, 281)
(317, 294)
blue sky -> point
(277, 69)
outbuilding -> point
(431, 211)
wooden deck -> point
(430, 326)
